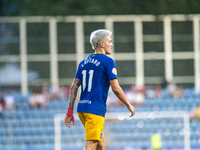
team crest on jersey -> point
(114, 71)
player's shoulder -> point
(107, 58)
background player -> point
(95, 74)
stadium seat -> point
(33, 124)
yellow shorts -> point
(93, 126)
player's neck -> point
(99, 51)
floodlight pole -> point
(168, 49)
(139, 53)
(79, 40)
(53, 51)
(196, 53)
(23, 55)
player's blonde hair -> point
(97, 36)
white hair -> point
(97, 36)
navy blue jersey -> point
(95, 72)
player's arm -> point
(73, 92)
(72, 97)
(120, 94)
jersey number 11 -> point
(91, 72)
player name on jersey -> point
(90, 60)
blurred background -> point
(157, 55)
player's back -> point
(94, 75)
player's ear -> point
(102, 44)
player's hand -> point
(132, 110)
(68, 120)
(69, 117)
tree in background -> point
(97, 7)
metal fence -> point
(147, 49)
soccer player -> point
(95, 74)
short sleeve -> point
(78, 72)
(111, 70)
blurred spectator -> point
(195, 113)
(136, 95)
(153, 91)
(45, 90)
(62, 92)
(55, 89)
(139, 100)
(131, 94)
(37, 99)
(171, 88)
(156, 141)
(68, 91)
(174, 90)
(179, 92)
(164, 83)
(140, 92)
(158, 90)
(9, 101)
(150, 91)
(2, 106)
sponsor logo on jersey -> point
(85, 101)
(114, 71)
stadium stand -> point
(33, 129)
